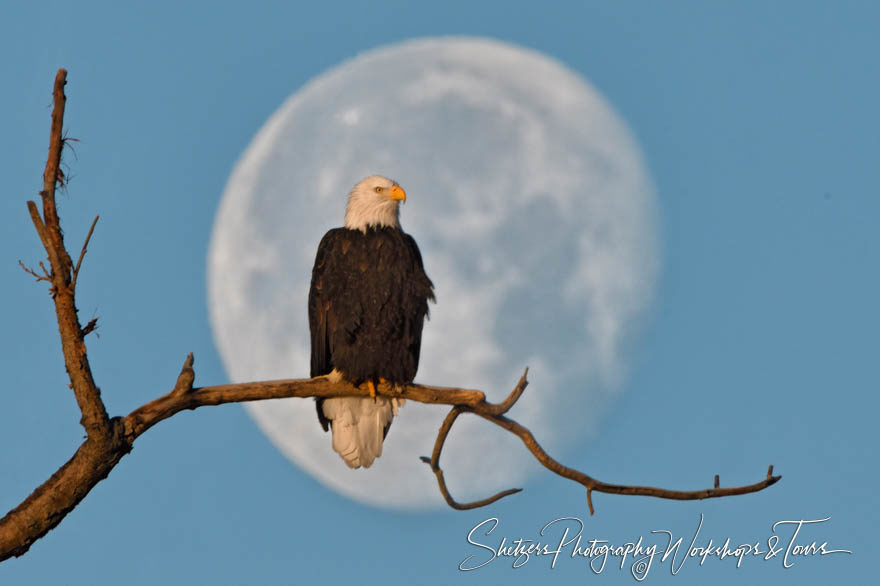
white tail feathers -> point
(359, 426)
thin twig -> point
(31, 271)
(434, 463)
(83, 252)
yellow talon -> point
(372, 386)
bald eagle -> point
(367, 304)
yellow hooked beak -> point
(398, 193)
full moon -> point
(536, 221)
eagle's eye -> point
(378, 189)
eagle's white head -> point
(374, 202)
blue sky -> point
(758, 123)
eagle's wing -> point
(421, 289)
(319, 308)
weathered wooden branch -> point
(108, 440)
(495, 414)
(88, 396)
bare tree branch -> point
(108, 440)
(495, 414)
(88, 397)
(182, 398)
(591, 484)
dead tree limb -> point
(108, 440)
(88, 396)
